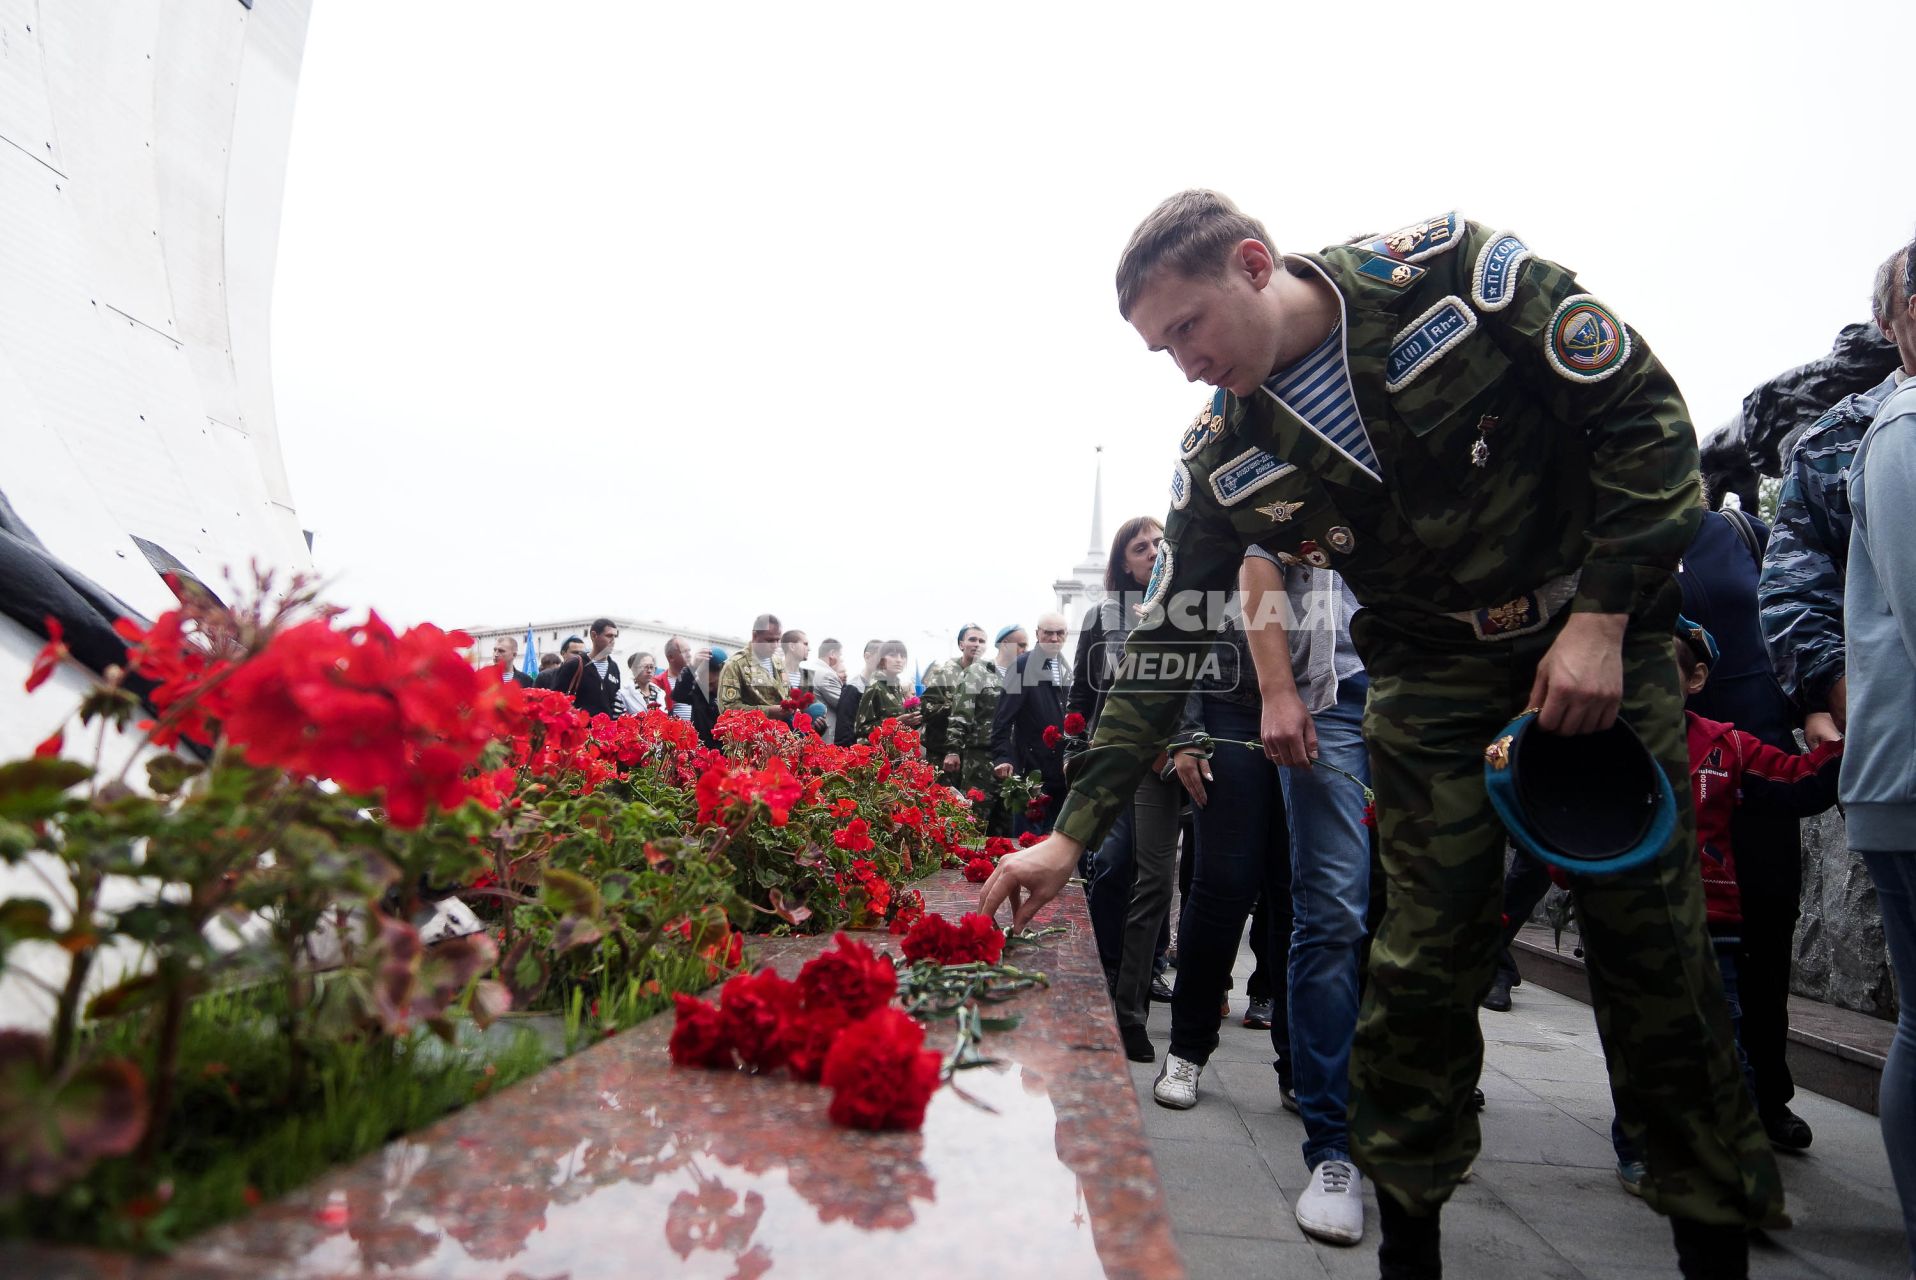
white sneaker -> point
(1176, 1085)
(1332, 1207)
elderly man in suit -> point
(1032, 702)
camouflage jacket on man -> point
(743, 682)
(1801, 591)
(941, 690)
(1535, 456)
(973, 706)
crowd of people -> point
(1350, 551)
(1536, 454)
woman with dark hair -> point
(1135, 868)
(884, 696)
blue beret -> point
(1590, 803)
(1702, 641)
(1007, 631)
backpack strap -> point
(1746, 531)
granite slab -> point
(616, 1163)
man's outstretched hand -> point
(1030, 878)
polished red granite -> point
(616, 1163)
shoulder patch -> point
(1242, 476)
(1418, 345)
(1400, 275)
(1160, 580)
(1419, 240)
(1585, 341)
(1494, 281)
(1180, 487)
(1206, 427)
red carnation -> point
(1028, 839)
(755, 1011)
(975, 796)
(698, 1036)
(978, 870)
(880, 1074)
(853, 979)
(1074, 724)
(811, 1036)
(1051, 735)
(1370, 815)
(974, 938)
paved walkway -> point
(1544, 1204)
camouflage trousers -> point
(1434, 706)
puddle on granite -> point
(728, 1178)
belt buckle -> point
(1511, 618)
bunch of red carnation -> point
(980, 863)
(835, 1024)
(974, 939)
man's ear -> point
(1256, 261)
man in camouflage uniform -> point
(974, 705)
(1801, 591)
(1505, 477)
(754, 677)
(942, 679)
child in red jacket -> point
(1731, 769)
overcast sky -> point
(690, 312)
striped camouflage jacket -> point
(1534, 456)
(1801, 591)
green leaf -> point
(132, 994)
(34, 788)
(568, 893)
(166, 774)
(573, 932)
(51, 1131)
(525, 972)
(616, 887)
(1007, 1023)
(447, 968)
(26, 919)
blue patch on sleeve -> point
(1494, 282)
(1400, 274)
(1417, 346)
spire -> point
(1097, 507)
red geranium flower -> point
(853, 979)
(52, 745)
(855, 837)
(880, 1074)
(1074, 724)
(698, 1035)
(50, 656)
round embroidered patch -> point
(1586, 342)
(1180, 487)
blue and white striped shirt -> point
(1318, 390)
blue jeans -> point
(1330, 892)
(1113, 872)
(1895, 877)
(1243, 849)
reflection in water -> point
(716, 1175)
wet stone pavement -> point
(1544, 1203)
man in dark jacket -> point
(1032, 702)
(505, 654)
(591, 678)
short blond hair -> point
(1193, 233)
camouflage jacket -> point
(941, 689)
(743, 682)
(1801, 591)
(884, 698)
(1524, 435)
(973, 706)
